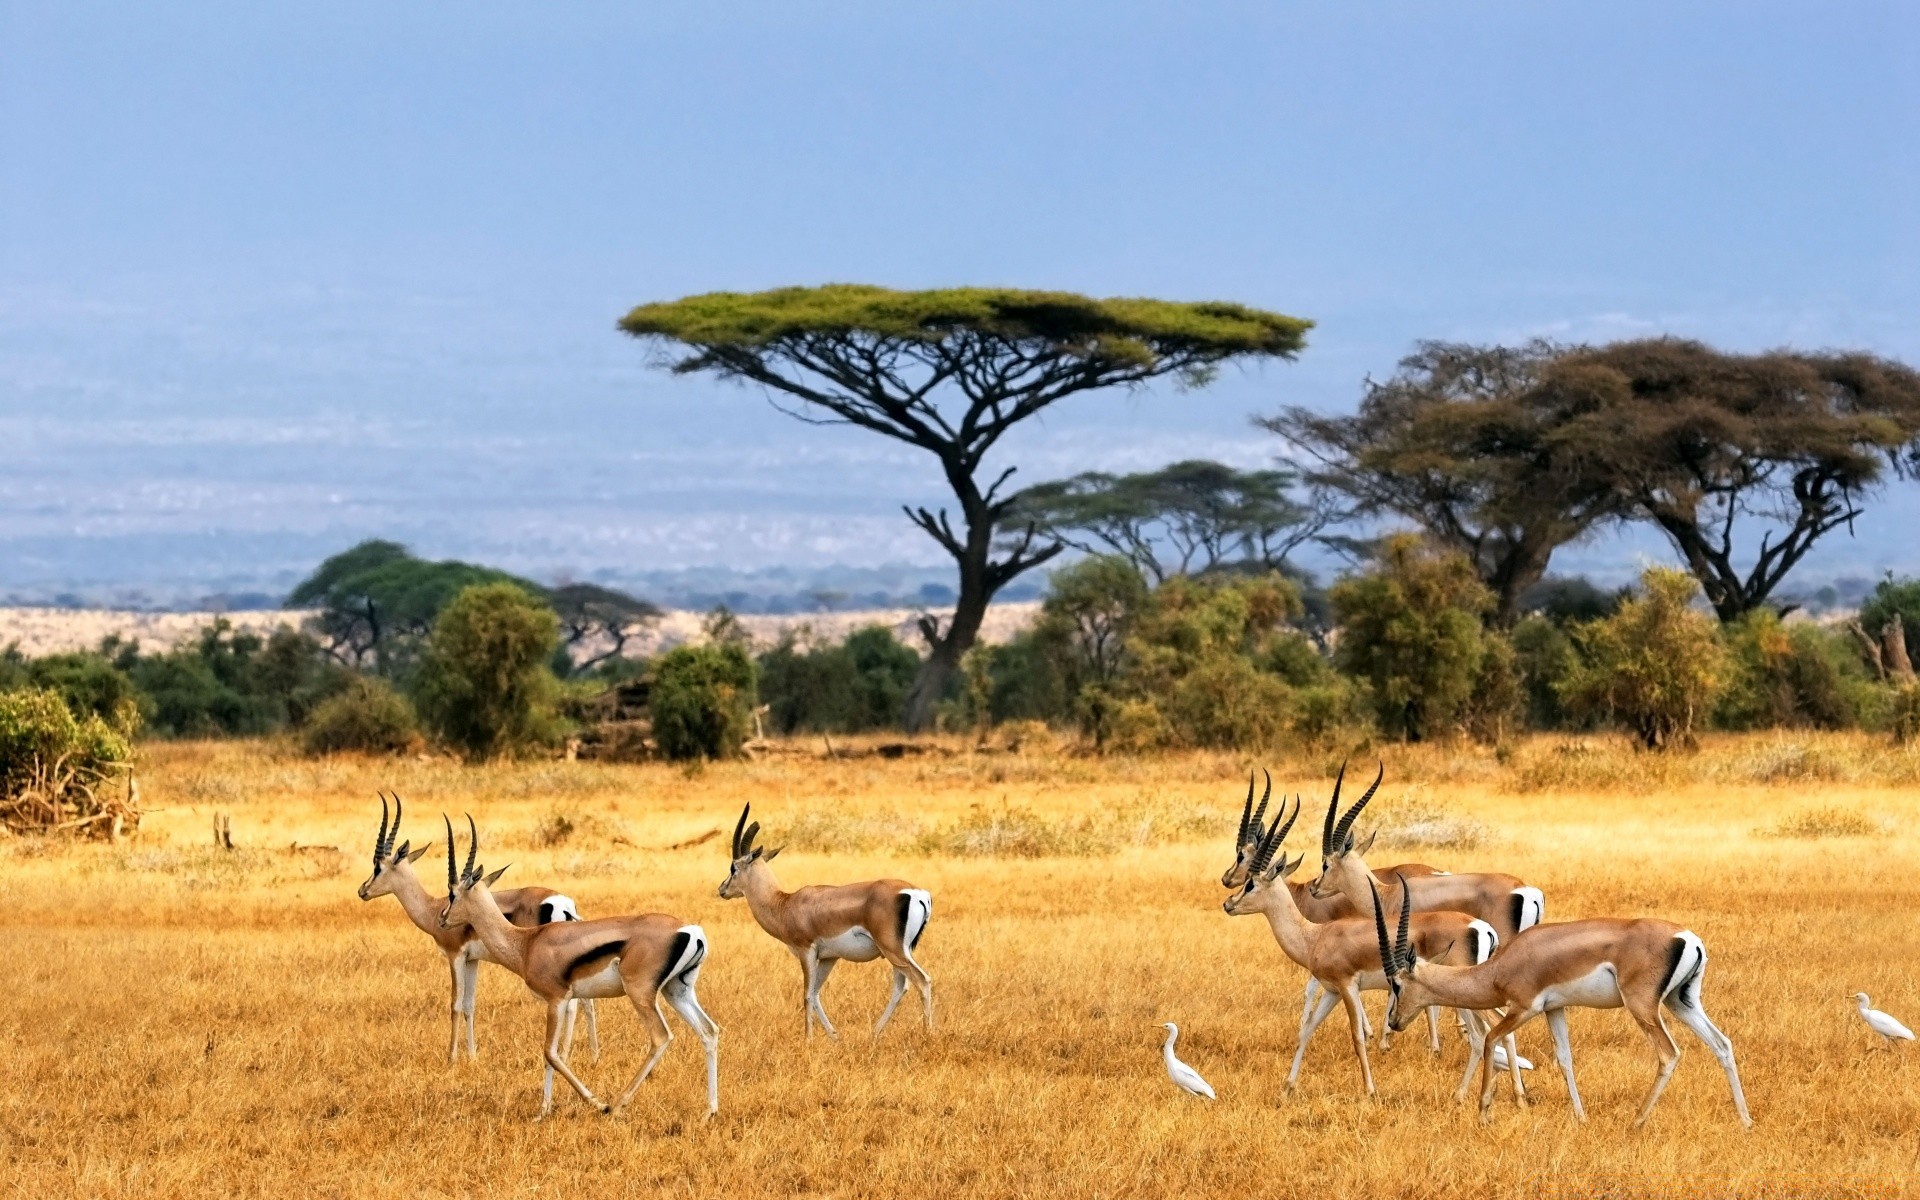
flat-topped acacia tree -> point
(951, 371)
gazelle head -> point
(465, 884)
(1264, 875)
(386, 856)
(1406, 995)
(1247, 842)
(1338, 854)
(744, 855)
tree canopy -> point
(951, 371)
(1708, 444)
(1187, 518)
(1465, 441)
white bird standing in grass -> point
(1879, 1022)
(1185, 1077)
(1500, 1059)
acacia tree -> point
(950, 372)
(1706, 444)
(1465, 441)
(590, 613)
(1187, 518)
(377, 602)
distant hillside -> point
(40, 631)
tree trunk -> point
(946, 650)
(1893, 635)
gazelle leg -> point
(1513, 1069)
(1563, 1054)
(1476, 1046)
(555, 1015)
(662, 1038)
(566, 1038)
(454, 1009)
(1695, 1018)
(893, 1001)
(1666, 1050)
(470, 1003)
(817, 974)
(1433, 1030)
(593, 1029)
(1357, 1017)
(680, 994)
(1501, 1030)
(1307, 1026)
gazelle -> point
(1640, 965)
(1342, 954)
(393, 876)
(1502, 901)
(819, 926)
(1253, 828)
(641, 957)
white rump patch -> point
(1533, 906)
(919, 912)
(1485, 940)
(558, 908)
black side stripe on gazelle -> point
(546, 912)
(604, 950)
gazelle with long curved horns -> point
(393, 875)
(1342, 954)
(1641, 965)
(644, 958)
(821, 925)
(1253, 829)
(1503, 901)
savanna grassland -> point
(184, 1020)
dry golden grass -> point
(183, 1021)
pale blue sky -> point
(277, 277)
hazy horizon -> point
(272, 282)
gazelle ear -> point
(416, 855)
(1288, 868)
(1367, 846)
(755, 856)
(490, 880)
(772, 854)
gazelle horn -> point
(1246, 815)
(1341, 832)
(1402, 956)
(1333, 807)
(1272, 840)
(394, 835)
(746, 841)
(742, 824)
(1380, 928)
(473, 850)
(380, 839)
(453, 881)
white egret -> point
(1879, 1022)
(1184, 1077)
(1500, 1059)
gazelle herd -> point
(1473, 943)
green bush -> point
(1894, 597)
(229, 682)
(858, 685)
(52, 763)
(366, 716)
(484, 684)
(1789, 675)
(1655, 665)
(1410, 628)
(702, 701)
(1495, 706)
(1545, 657)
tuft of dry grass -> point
(186, 1021)
(1825, 823)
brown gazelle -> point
(1247, 843)
(1641, 965)
(643, 958)
(820, 926)
(393, 876)
(1502, 901)
(1343, 954)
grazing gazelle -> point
(1502, 901)
(393, 876)
(1313, 908)
(642, 957)
(822, 925)
(1342, 954)
(1641, 965)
